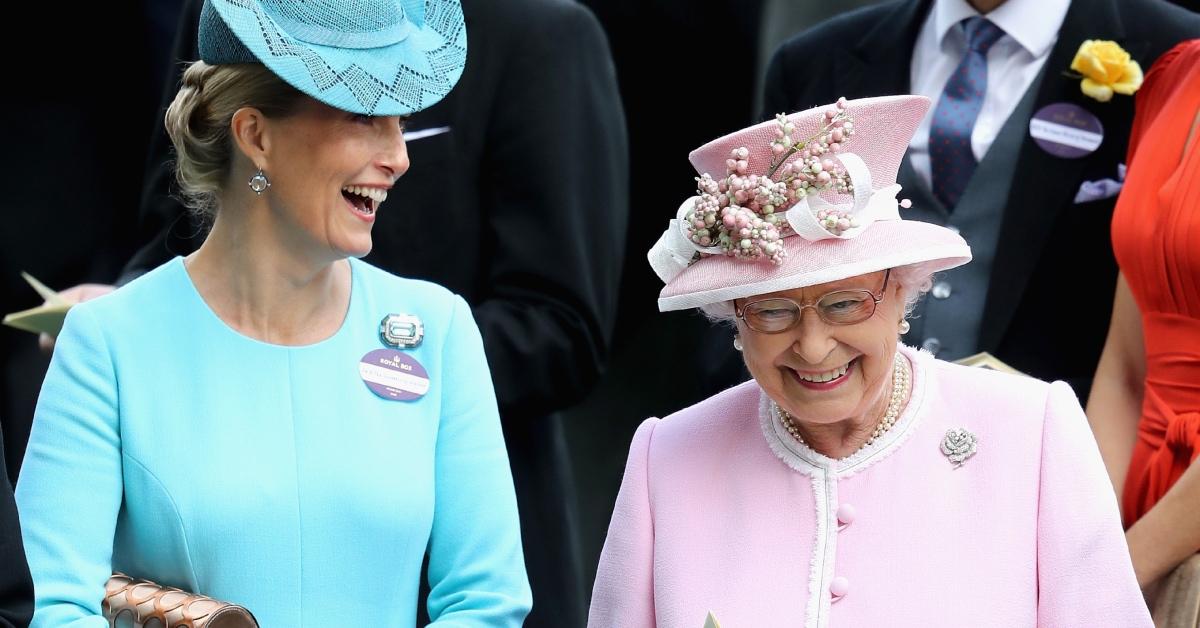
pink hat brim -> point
(886, 244)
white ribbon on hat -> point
(675, 251)
(867, 206)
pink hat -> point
(805, 199)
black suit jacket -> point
(16, 587)
(527, 186)
(71, 167)
(1051, 290)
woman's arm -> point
(476, 567)
(71, 482)
(1115, 404)
(624, 590)
(1169, 533)
(1083, 567)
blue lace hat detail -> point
(374, 57)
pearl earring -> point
(259, 182)
(904, 327)
(737, 342)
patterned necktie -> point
(950, 158)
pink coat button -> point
(846, 513)
(839, 586)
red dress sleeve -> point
(1160, 81)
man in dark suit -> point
(1039, 293)
(16, 587)
(70, 173)
(519, 189)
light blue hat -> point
(374, 57)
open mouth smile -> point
(825, 380)
(364, 201)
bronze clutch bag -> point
(144, 604)
(1178, 602)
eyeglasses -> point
(843, 307)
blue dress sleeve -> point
(476, 567)
(70, 488)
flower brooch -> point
(958, 445)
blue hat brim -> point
(396, 80)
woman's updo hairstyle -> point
(198, 121)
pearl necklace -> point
(900, 382)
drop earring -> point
(904, 327)
(259, 182)
(737, 342)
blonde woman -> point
(271, 421)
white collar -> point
(1033, 24)
(807, 461)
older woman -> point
(853, 482)
(271, 421)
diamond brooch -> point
(958, 445)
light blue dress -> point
(170, 447)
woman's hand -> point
(1169, 533)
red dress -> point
(1156, 236)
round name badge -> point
(1066, 130)
(393, 375)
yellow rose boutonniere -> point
(1106, 68)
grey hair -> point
(914, 279)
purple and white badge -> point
(393, 375)
(1066, 130)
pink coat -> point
(722, 511)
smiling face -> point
(329, 172)
(822, 373)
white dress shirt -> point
(1030, 30)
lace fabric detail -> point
(434, 38)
